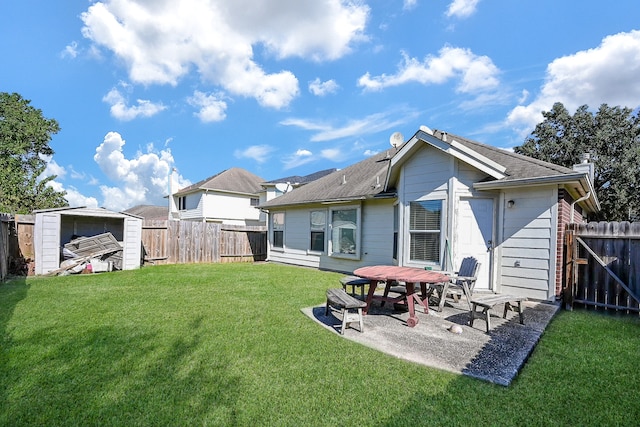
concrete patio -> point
(496, 356)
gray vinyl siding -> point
(426, 174)
(376, 239)
(528, 246)
(376, 243)
(297, 236)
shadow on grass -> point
(121, 376)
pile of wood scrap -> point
(81, 251)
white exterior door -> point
(473, 236)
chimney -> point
(585, 166)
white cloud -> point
(259, 153)
(212, 107)
(299, 158)
(303, 153)
(161, 42)
(409, 4)
(334, 154)
(370, 153)
(320, 88)
(475, 73)
(77, 199)
(371, 124)
(73, 196)
(71, 50)
(140, 180)
(605, 74)
(121, 111)
(462, 8)
(52, 168)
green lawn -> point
(226, 344)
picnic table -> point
(415, 279)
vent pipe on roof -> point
(444, 136)
(585, 166)
(344, 179)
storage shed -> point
(56, 227)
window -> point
(254, 201)
(424, 227)
(318, 225)
(277, 223)
(182, 203)
(396, 225)
(344, 232)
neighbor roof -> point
(234, 180)
(149, 211)
(362, 180)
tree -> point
(611, 137)
(24, 146)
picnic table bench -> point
(344, 302)
(354, 282)
(490, 301)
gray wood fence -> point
(602, 266)
(5, 229)
(179, 242)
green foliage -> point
(226, 344)
(611, 136)
(24, 145)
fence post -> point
(569, 268)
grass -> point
(226, 344)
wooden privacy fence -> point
(5, 229)
(180, 242)
(602, 266)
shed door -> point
(474, 236)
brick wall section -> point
(564, 218)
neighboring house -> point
(56, 227)
(149, 212)
(230, 197)
(431, 202)
(277, 187)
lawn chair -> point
(461, 282)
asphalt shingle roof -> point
(234, 180)
(358, 181)
(361, 180)
(517, 165)
(297, 179)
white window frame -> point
(317, 229)
(277, 228)
(396, 232)
(334, 231)
(439, 232)
(182, 203)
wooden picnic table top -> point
(401, 274)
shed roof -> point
(234, 180)
(85, 211)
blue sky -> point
(290, 87)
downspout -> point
(581, 199)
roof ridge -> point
(521, 157)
